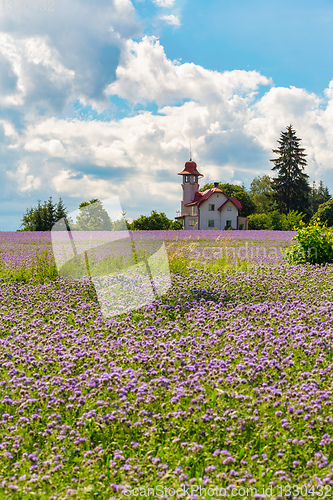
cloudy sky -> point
(103, 98)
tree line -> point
(278, 203)
(92, 216)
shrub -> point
(315, 245)
(276, 221)
(325, 213)
(291, 220)
(259, 221)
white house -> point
(209, 209)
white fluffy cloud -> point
(72, 53)
(145, 74)
(138, 157)
(172, 20)
(24, 180)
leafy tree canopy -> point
(154, 222)
(261, 193)
(324, 213)
(93, 217)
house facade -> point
(210, 209)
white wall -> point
(216, 199)
(226, 215)
(187, 225)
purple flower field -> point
(224, 382)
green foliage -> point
(292, 220)
(318, 196)
(315, 245)
(43, 216)
(154, 222)
(276, 221)
(93, 217)
(325, 213)
(259, 221)
(240, 193)
(261, 193)
(291, 187)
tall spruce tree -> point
(291, 186)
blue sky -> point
(103, 99)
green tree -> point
(318, 195)
(240, 193)
(42, 217)
(60, 210)
(324, 213)
(261, 193)
(291, 186)
(154, 222)
(93, 217)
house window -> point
(191, 222)
(210, 223)
(228, 223)
(229, 209)
(211, 208)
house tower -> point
(190, 185)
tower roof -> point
(190, 169)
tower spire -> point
(190, 148)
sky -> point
(104, 99)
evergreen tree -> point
(318, 196)
(50, 214)
(291, 186)
(60, 211)
(43, 216)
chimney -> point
(216, 184)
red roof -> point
(234, 201)
(202, 196)
(190, 169)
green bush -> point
(291, 220)
(153, 222)
(276, 221)
(259, 221)
(325, 213)
(315, 245)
